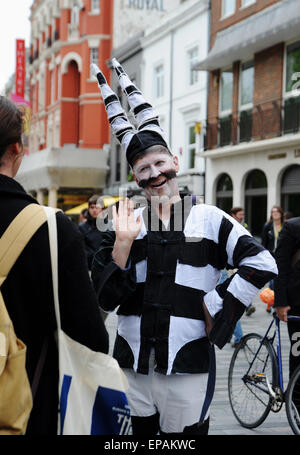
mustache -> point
(170, 174)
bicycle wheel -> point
(292, 401)
(248, 380)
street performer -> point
(160, 267)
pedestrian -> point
(27, 291)
(89, 230)
(83, 216)
(238, 214)
(160, 267)
(270, 235)
(287, 284)
(272, 228)
(92, 235)
(287, 216)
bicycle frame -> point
(278, 347)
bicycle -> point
(255, 380)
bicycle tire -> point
(250, 401)
(292, 401)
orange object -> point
(267, 296)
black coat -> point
(92, 238)
(268, 236)
(287, 283)
(28, 296)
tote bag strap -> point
(17, 235)
(52, 228)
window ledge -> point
(227, 16)
(247, 6)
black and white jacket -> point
(169, 273)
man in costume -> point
(160, 267)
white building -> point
(178, 93)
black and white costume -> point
(171, 269)
(169, 273)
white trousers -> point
(178, 398)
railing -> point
(264, 121)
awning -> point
(108, 200)
(275, 24)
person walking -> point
(27, 290)
(272, 228)
(161, 267)
(287, 284)
(91, 234)
(238, 214)
(270, 235)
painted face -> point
(156, 173)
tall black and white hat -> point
(148, 132)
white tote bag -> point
(92, 386)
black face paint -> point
(171, 174)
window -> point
(228, 7)
(246, 101)
(42, 91)
(245, 3)
(159, 81)
(193, 58)
(94, 56)
(292, 67)
(95, 7)
(191, 146)
(247, 83)
(291, 121)
(52, 78)
(226, 92)
(75, 16)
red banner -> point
(20, 67)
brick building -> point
(253, 117)
(69, 129)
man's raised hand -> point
(127, 229)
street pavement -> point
(222, 420)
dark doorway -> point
(290, 190)
(224, 193)
(256, 202)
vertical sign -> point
(20, 67)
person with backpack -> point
(27, 291)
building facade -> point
(69, 133)
(130, 56)
(159, 60)
(252, 143)
(179, 93)
(132, 18)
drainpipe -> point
(207, 87)
(171, 88)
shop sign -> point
(147, 4)
(20, 67)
